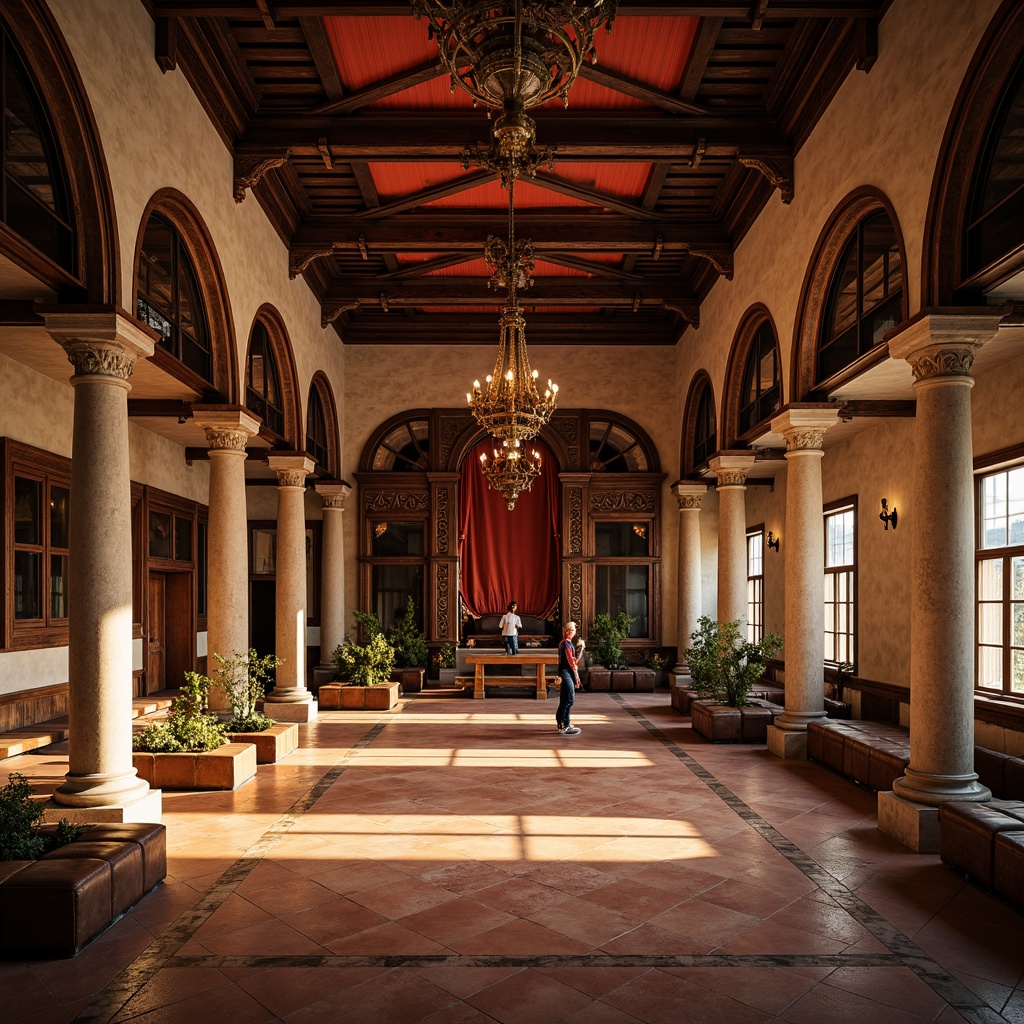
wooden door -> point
(156, 659)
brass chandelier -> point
(512, 56)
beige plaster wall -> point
(27, 670)
(151, 128)
(35, 409)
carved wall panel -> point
(622, 501)
(395, 501)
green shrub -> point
(724, 665)
(409, 643)
(19, 823)
(189, 727)
(446, 656)
(368, 664)
(244, 678)
(606, 634)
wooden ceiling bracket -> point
(249, 171)
(328, 314)
(167, 44)
(777, 170)
(384, 302)
(867, 43)
(700, 146)
(689, 311)
(659, 244)
(363, 251)
(758, 12)
(300, 258)
(636, 303)
(266, 10)
(325, 152)
(723, 262)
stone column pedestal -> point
(804, 431)
(332, 578)
(227, 430)
(940, 349)
(291, 700)
(103, 348)
(688, 573)
(731, 471)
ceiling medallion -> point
(513, 56)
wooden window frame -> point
(704, 412)
(650, 562)
(849, 569)
(755, 587)
(751, 413)
(256, 401)
(314, 531)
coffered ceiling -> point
(345, 130)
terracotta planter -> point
(723, 724)
(227, 767)
(346, 697)
(411, 679)
(271, 744)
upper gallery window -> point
(762, 394)
(33, 198)
(262, 382)
(406, 447)
(705, 435)
(169, 299)
(755, 584)
(995, 223)
(316, 429)
(865, 296)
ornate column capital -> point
(291, 468)
(101, 344)
(689, 495)
(333, 493)
(944, 344)
(731, 470)
(228, 428)
(804, 429)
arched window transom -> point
(406, 448)
(865, 296)
(262, 381)
(169, 299)
(614, 449)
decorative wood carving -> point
(451, 428)
(778, 171)
(567, 428)
(723, 262)
(442, 604)
(301, 256)
(575, 521)
(622, 501)
(395, 501)
(250, 169)
(442, 508)
(576, 592)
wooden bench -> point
(539, 659)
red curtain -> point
(509, 556)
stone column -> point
(291, 701)
(804, 431)
(332, 577)
(731, 471)
(227, 432)
(940, 350)
(101, 783)
(688, 576)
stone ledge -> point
(227, 767)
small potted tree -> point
(605, 653)
(724, 667)
(446, 664)
(410, 650)
(364, 672)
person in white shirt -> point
(510, 625)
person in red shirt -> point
(570, 681)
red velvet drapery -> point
(509, 556)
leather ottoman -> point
(967, 834)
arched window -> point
(406, 447)
(34, 197)
(262, 381)
(761, 393)
(705, 432)
(865, 296)
(316, 428)
(995, 223)
(616, 449)
(169, 299)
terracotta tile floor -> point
(459, 861)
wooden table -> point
(481, 659)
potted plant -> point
(365, 674)
(604, 653)
(724, 666)
(20, 815)
(189, 749)
(244, 678)
(446, 664)
(410, 650)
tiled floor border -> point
(903, 952)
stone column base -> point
(323, 674)
(149, 808)
(787, 744)
(914, 825)
(302, 712)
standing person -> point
(570, 681)
(510, 625)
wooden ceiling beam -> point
(385, 87)
(781, 10)
(443, 135)
(604, 200)
(421, 269)
(428, 195)
(638, 90)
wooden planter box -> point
(335, 696)
(723, 724)
(271, 744)
(226, 767)
(410, 679)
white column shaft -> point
(228, 557)
(732, 555)
(332, 586)
(689, 576)
(291, 592)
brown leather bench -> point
(872, 753)
(968, 832)
(722, 724)
(55, 905)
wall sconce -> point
(773, 541)
(886, 516)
